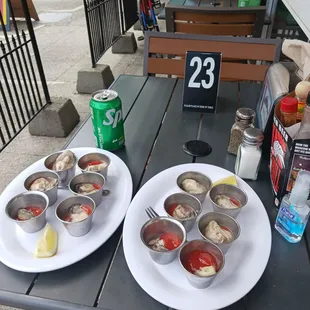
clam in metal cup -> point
(198, 177)
(65, 175)
(221, 219)
(184, 199)
(84, 160)
(154, 228)
(75, 229)
(230, 191)
(89, 177)
(195, 280)
(51, 193)
(33, 198)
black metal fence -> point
(21, 95)
(106, 21)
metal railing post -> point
(122, 15)
(89, 34)
(36, 50)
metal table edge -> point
(32, 302)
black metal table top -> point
(156, 130)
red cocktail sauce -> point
(171, 241)
(198, 259)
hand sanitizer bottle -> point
(294, 212)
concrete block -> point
(92, 79)
(56, 120)
(126, 44)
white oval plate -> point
(17, 247)
(246, 260)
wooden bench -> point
(229, 21)
(164, 53)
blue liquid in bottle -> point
(294, 212)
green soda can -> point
(106, 113)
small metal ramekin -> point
(185, 199)
(221, 219)
(154, 228)
(76, 229)
(51, 193)
(194, 280)
(65, 175)
(84, 160)
(198, 177)
(31, 198)
(89, 177)
(230, 191)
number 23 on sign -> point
(201, 81)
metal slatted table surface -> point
(156, 129)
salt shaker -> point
(249, 154)
(244, 119)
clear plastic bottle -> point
(294, 212)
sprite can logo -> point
(113, 118)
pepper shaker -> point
(249, 154)
(244, 119)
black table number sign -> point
(202, 76)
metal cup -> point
(89, 177)
(33, 198)
(221, 219)
(230, 191)
(184, 199)
(200, 178)
(51, 193)
(84, 160)
(194, 280)
(76, 229)
(154, 228)
(65, 175)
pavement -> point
(63, 43)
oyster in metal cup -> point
(78, 228)
(67, 171)
(156, 227)
(52, 192)
(223, 220)
(199, 190)
(88, 178)
(187, 218)
(93, 157)
(197, 281)
(24, 200)
(232, 192)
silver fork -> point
(151, 213)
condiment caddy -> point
(289, 153)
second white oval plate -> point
(17, 247)
(245, 261)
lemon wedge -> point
(228, 180)
(47, 245)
